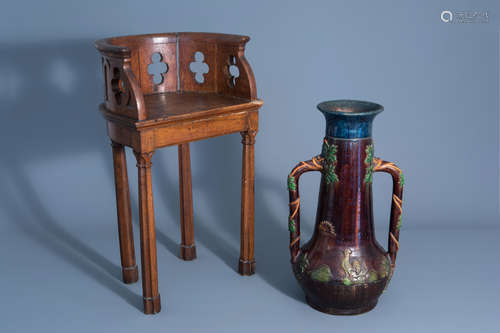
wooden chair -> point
(171, 89)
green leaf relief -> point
(385, 268)
(372, 276)
(291, 225)
(346, 281)
(330, 176)
(399, 222)
(322, 274)
(329, 152)
(324, 149)
(401, 180)
(303, 263)
(291, 183)
(369, 164)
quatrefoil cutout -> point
(233, 70)
(199, 67)
(157, 68)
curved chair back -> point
(140, 65)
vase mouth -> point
(350, 107)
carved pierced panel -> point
(158, 68)
(199, 67)
(119, 88)
(234, 74)
(105, 68)
(233, 71)
(118, 91)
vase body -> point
(342, 269)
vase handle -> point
(314, 164)
(380, 165)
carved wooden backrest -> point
(140, 65)
(209, 57)
(147, 52)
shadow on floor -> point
(36, 222)
(216, 165)
(49, 94)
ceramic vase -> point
(342, 268)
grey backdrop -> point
(439, 83)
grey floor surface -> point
(59, 279)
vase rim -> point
(350, 107)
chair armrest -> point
(111, 50)
(122, 92)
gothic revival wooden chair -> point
(171, 89)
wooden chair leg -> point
(246, 264)
(151, 296)
(125, 233)
(187, 247)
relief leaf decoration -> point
(322, 274)
(329, 152)
(291, 225)
(303, 263)
(369, 164)
(401, 179)
(372, 276)
(385, 268)
(291, 183)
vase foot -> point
(342, 312)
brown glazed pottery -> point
(342, 269)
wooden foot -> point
(125, 232)
(152, 305)
(188, 252)
(130, 274)
(246, 267)
(187, 247)
(246, 264)
(150, 292)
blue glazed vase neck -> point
(348, 127)
(349, 119)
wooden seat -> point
(190, 105)
(171, 89)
